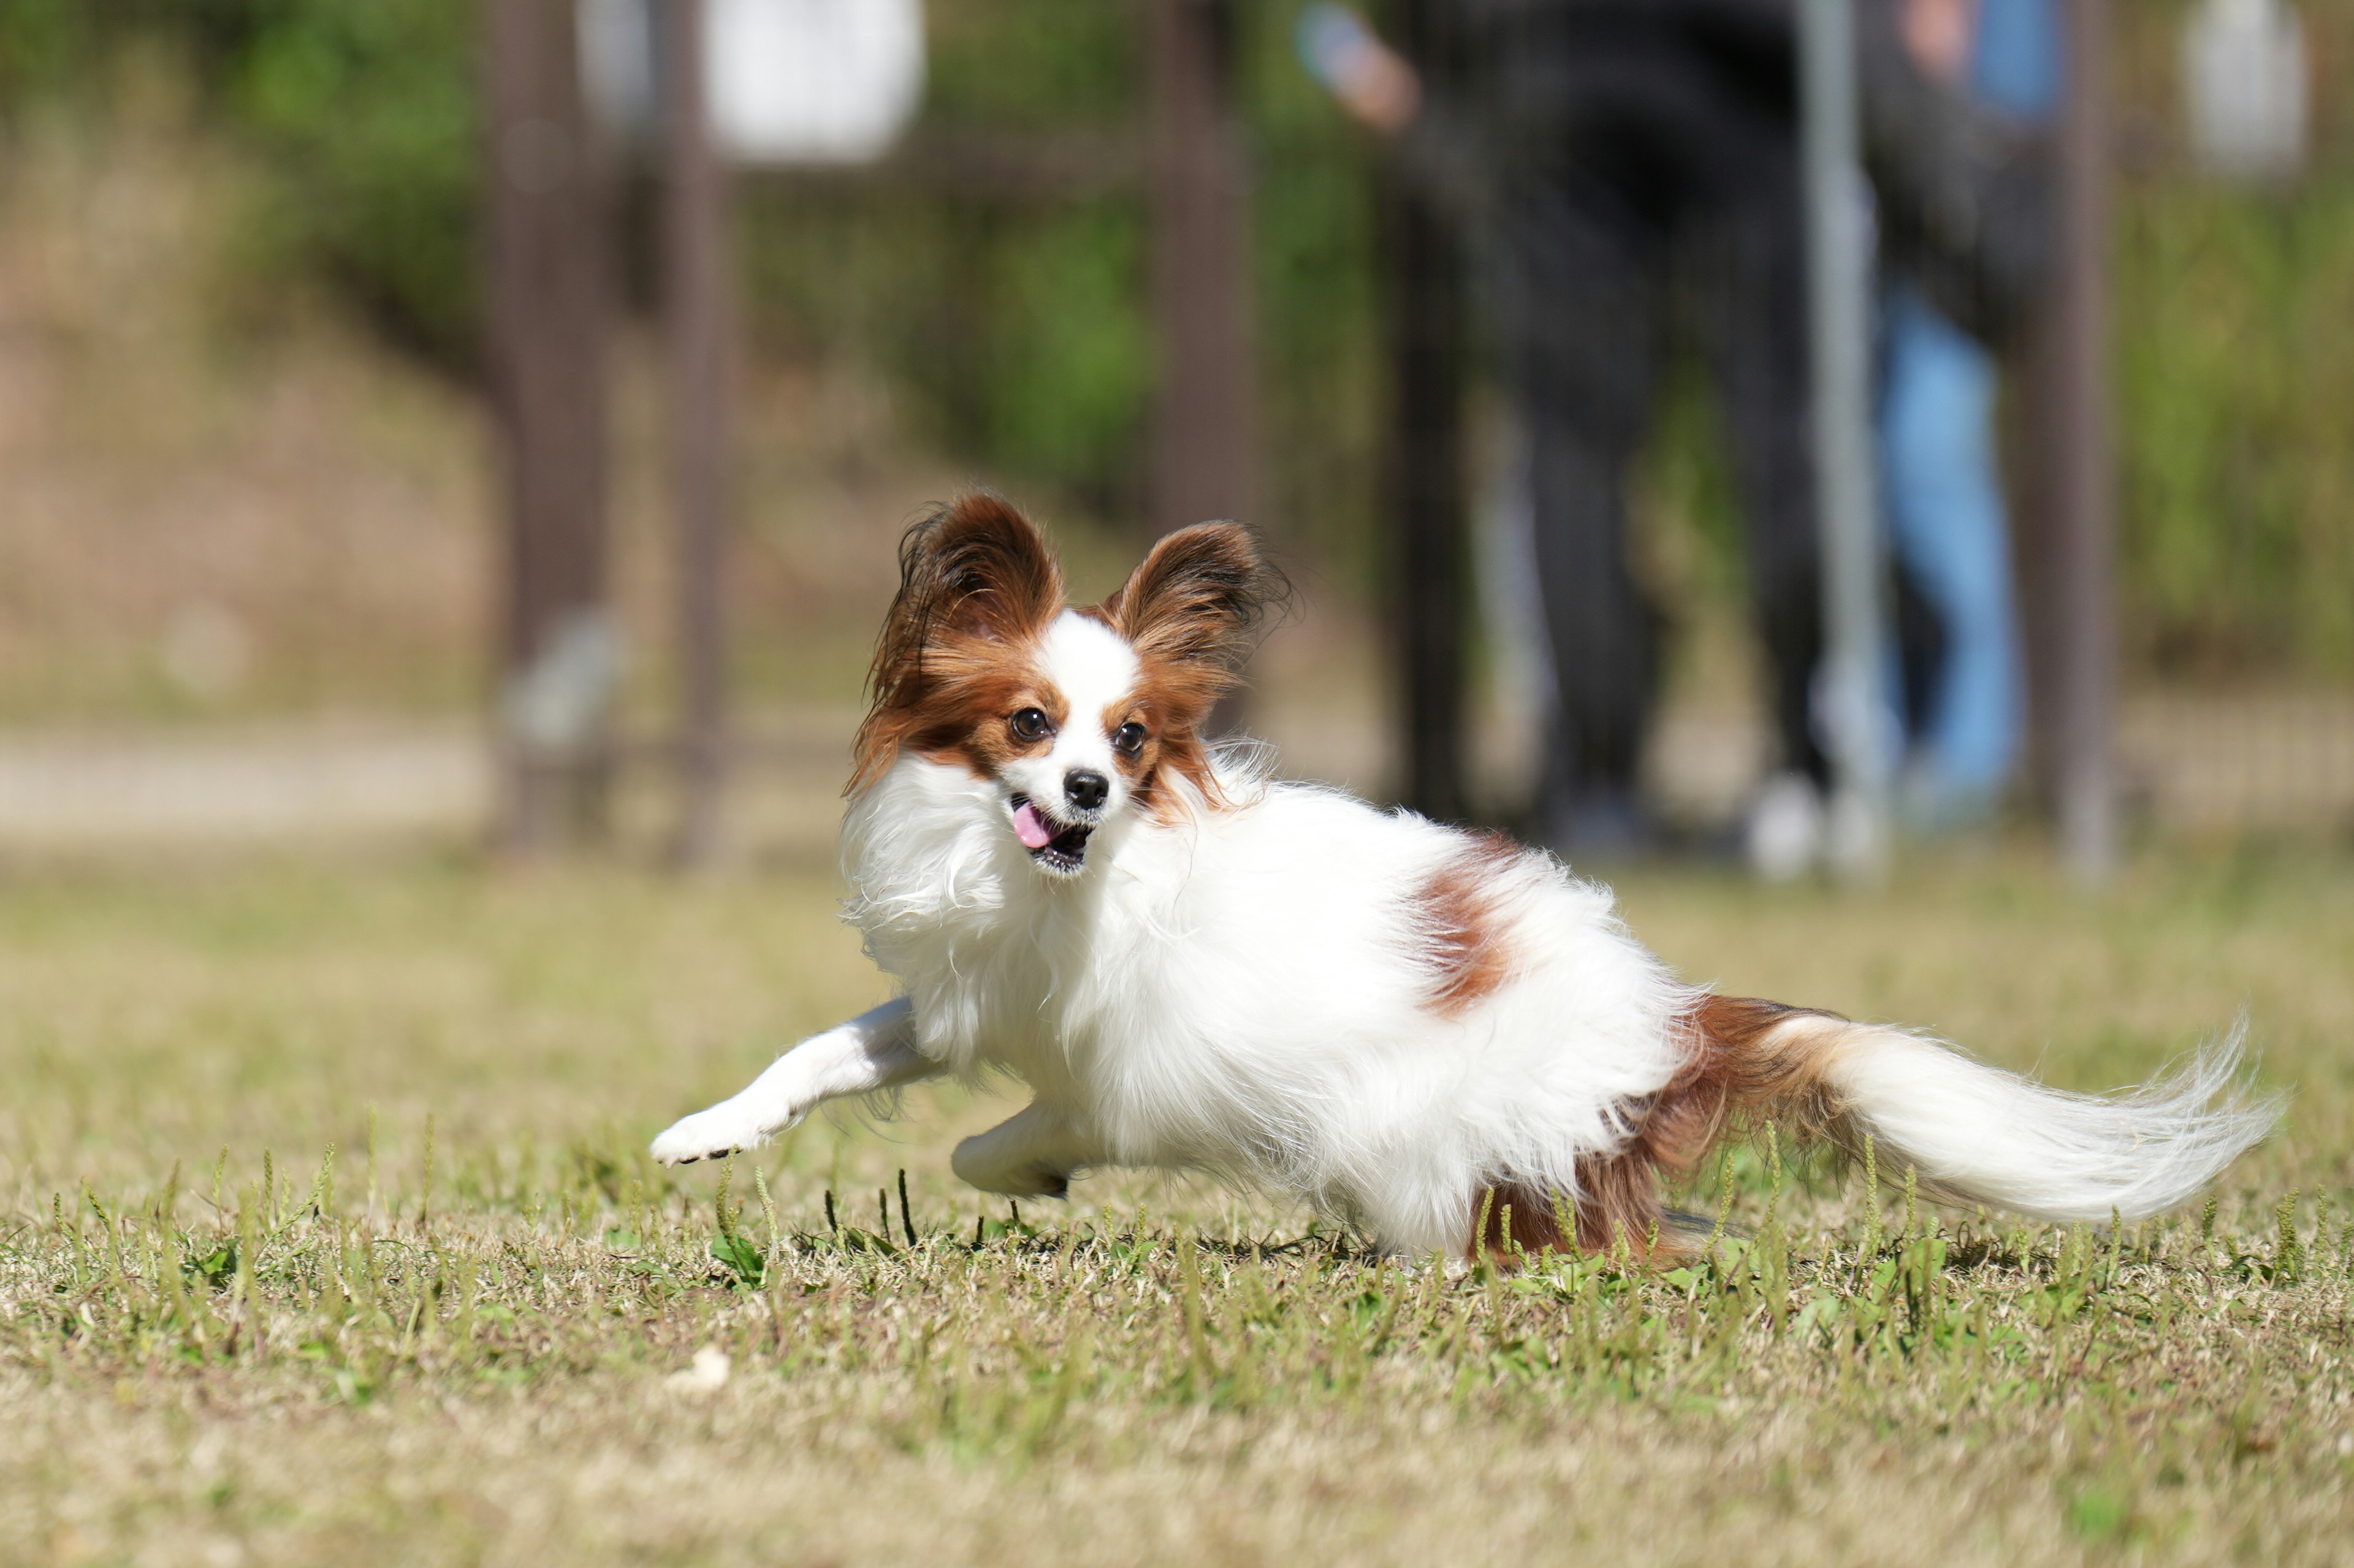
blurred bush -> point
(993, 275)
(2237, 373)
(360, 114)
(365, 114)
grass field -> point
(326, 1236)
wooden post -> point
(2059, 439)
(697, 324)
(1425, 332)
(545, 297)
(1204, 414)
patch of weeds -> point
(2099, 1513)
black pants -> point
(1642, 182)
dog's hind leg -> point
(872, 1051)
(1031, 1154)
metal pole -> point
(1839, 298)
(1427, 355)
(695, 305)
(545, 284)
(2082, 557)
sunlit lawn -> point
(324, 1236)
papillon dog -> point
(1444, 1039)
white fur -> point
(1094, 668)
(1240, 994)
(1242, 990)
(869, 1053)
(1990, 1137)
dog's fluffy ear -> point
(974, 571)
(1198, 600)
(975, 566)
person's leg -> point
(1919, 653)
(1946, 523)
(1577, 296)
(1753, 311)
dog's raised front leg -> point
(1031, 1154)
(872, 1051)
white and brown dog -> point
(1194, 968)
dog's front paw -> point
(707, 1135)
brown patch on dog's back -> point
(1456, 924)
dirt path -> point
(2197, 765)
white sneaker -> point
(1786, 831)
(1855, 839)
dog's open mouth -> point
(1051, 843)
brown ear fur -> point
(973, 574)
(1196, 601)
(1193, 611)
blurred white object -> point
(557, 704)
(1855, 836)
(205, 650)
(1786, 828)
(1855, 724)
(708, 1375)
(790, 81)
(1511, 605)
(2244, 72)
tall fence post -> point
(545, 293)
(1426, 347)
(2059, 440)
(1840, 294)
(1204, 413)
(697, 322)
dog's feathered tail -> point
(1974, 1133)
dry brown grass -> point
(283, 1360)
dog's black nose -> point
(1085, 788)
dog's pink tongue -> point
(1031, 828)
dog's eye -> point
(1128, 739)
(1031, 725)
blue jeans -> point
(1949, 531)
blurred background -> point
(455, 420)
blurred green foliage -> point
(1009, 312)
(2234, 331)
(2236, 355)
(360, 114)
(366, 113)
